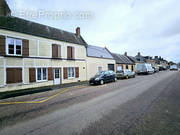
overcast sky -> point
(151, 27)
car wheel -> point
(101, 82)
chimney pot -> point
(78, 31)
(125, 53)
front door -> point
(57, 76)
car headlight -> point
(97, 79)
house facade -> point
(123, 62)
(98, 59)
(35, 55)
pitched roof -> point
(32, 28)
(99, 52)
(132, 58)
(140, 58)
(121, 59)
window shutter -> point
(10, 75)
(65, 73)
(73, 53)
(14, 75)
(18, 75)
(54, 51)
(77, 72)
(2, 45)
(32, 75)
(69, 52)
(50, 74)
(25, 44)
(59, 51)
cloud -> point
(151, 27)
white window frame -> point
(7, 46)
(99, 69)
(71, 74)
(41, 74)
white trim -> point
(4, 71)
(23, 72)
(51, 51)
(38, 48)
(42, 74)
(7, 48)
(14, 66)
(74, 52)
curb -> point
(17, 93)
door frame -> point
(60, 75)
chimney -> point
(78, 31)
(125, 53)
(139, 53)
(4, 8)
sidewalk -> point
(16, 93)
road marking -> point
(42, 101)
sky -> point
(150, 27)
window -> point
(111, 67)
(70, 52)
(126, 66)
(99, 69)
(71, 72)
(119, 68)
(41, 74)
(14, 46)
(132, 67)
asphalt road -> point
(124, 107)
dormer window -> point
(14, 46)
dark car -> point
(156, 68)
(103, 77)
(162, 68)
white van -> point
(144, 68)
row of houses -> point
(35, 55)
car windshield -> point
(100, 73)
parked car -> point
(103, 77)
(173, 67)
(162, 68)
(121, 74)
(144, 68)
(156, 68)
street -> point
(141, 105)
